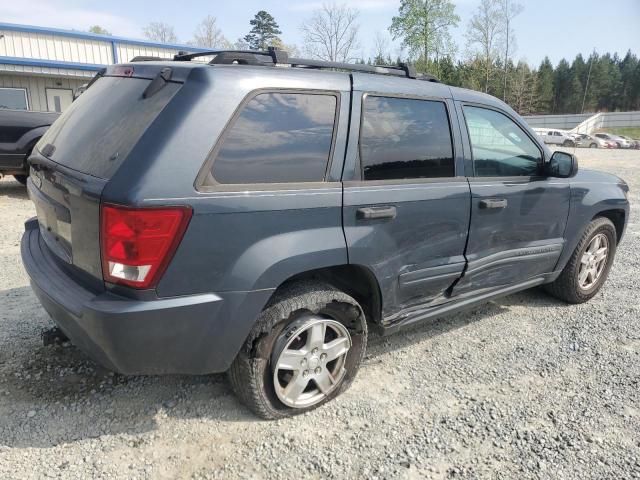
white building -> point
(40, 68)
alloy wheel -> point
(311, 363)
(593, 261)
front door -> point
(406, 218)
(58, 99)
(518, 216)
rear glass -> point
(97, 132)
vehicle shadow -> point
(55, 394)
(13, 189)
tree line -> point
(422, 29)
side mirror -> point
(562, 165)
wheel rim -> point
(593, 261)
(311, 364)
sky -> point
(556, 28)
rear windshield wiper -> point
(158, 82)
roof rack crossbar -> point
(275, 56)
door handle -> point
(493, 203)
(372, 213)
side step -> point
(455, 306)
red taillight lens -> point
(137, 244)
(122, 71)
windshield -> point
(102, 126)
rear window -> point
(403, 138)
(97, 132)
(277, 138)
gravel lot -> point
(523, 387)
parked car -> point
(20, 130)
(196, 218)
(632, 142)
(620, 142)
(587, 141)
(555, 137)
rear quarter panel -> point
(245, 238)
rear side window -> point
(97, 132)
(404, 138)
(277, 138)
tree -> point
(423, 26)
(544, 90)
(290, 48)
(99, 30)
(264, 33)
(483, 32)
(561, 87)
(509, 10)
(381, 49)
(207, 34)
(160, 32)
(331, 33)
(241, 44)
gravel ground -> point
(523, 387)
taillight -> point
(137, 244)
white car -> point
(619, 141)
(555, 137)
(587, 141)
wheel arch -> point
(617, 217)
(357, 281)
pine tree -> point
(264, 33)
(561, 87)
(544, 90)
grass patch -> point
(633, 132)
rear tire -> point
(283, 331)
(21, 178)
(567, 143)
(593, 145)
(571, 286)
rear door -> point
(59, 99)
(79, 154)
(518, 215)
(406, 201)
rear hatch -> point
(81, 152)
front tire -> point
(593, 145)
(304, 350)
(588, 268)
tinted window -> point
(405, 138)
(500, 147)
(278, 138)
(97, 132)
(13, 98)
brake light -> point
(122, 71)
(137, 244)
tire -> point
(21, 178)
(253, 373)
(567, 286)
(593, 145)
(567, 143)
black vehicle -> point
(20, 130)
(259, 214)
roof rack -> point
(274, 56)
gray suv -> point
(259, 214)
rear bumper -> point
(194, 334)
(12, 164)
